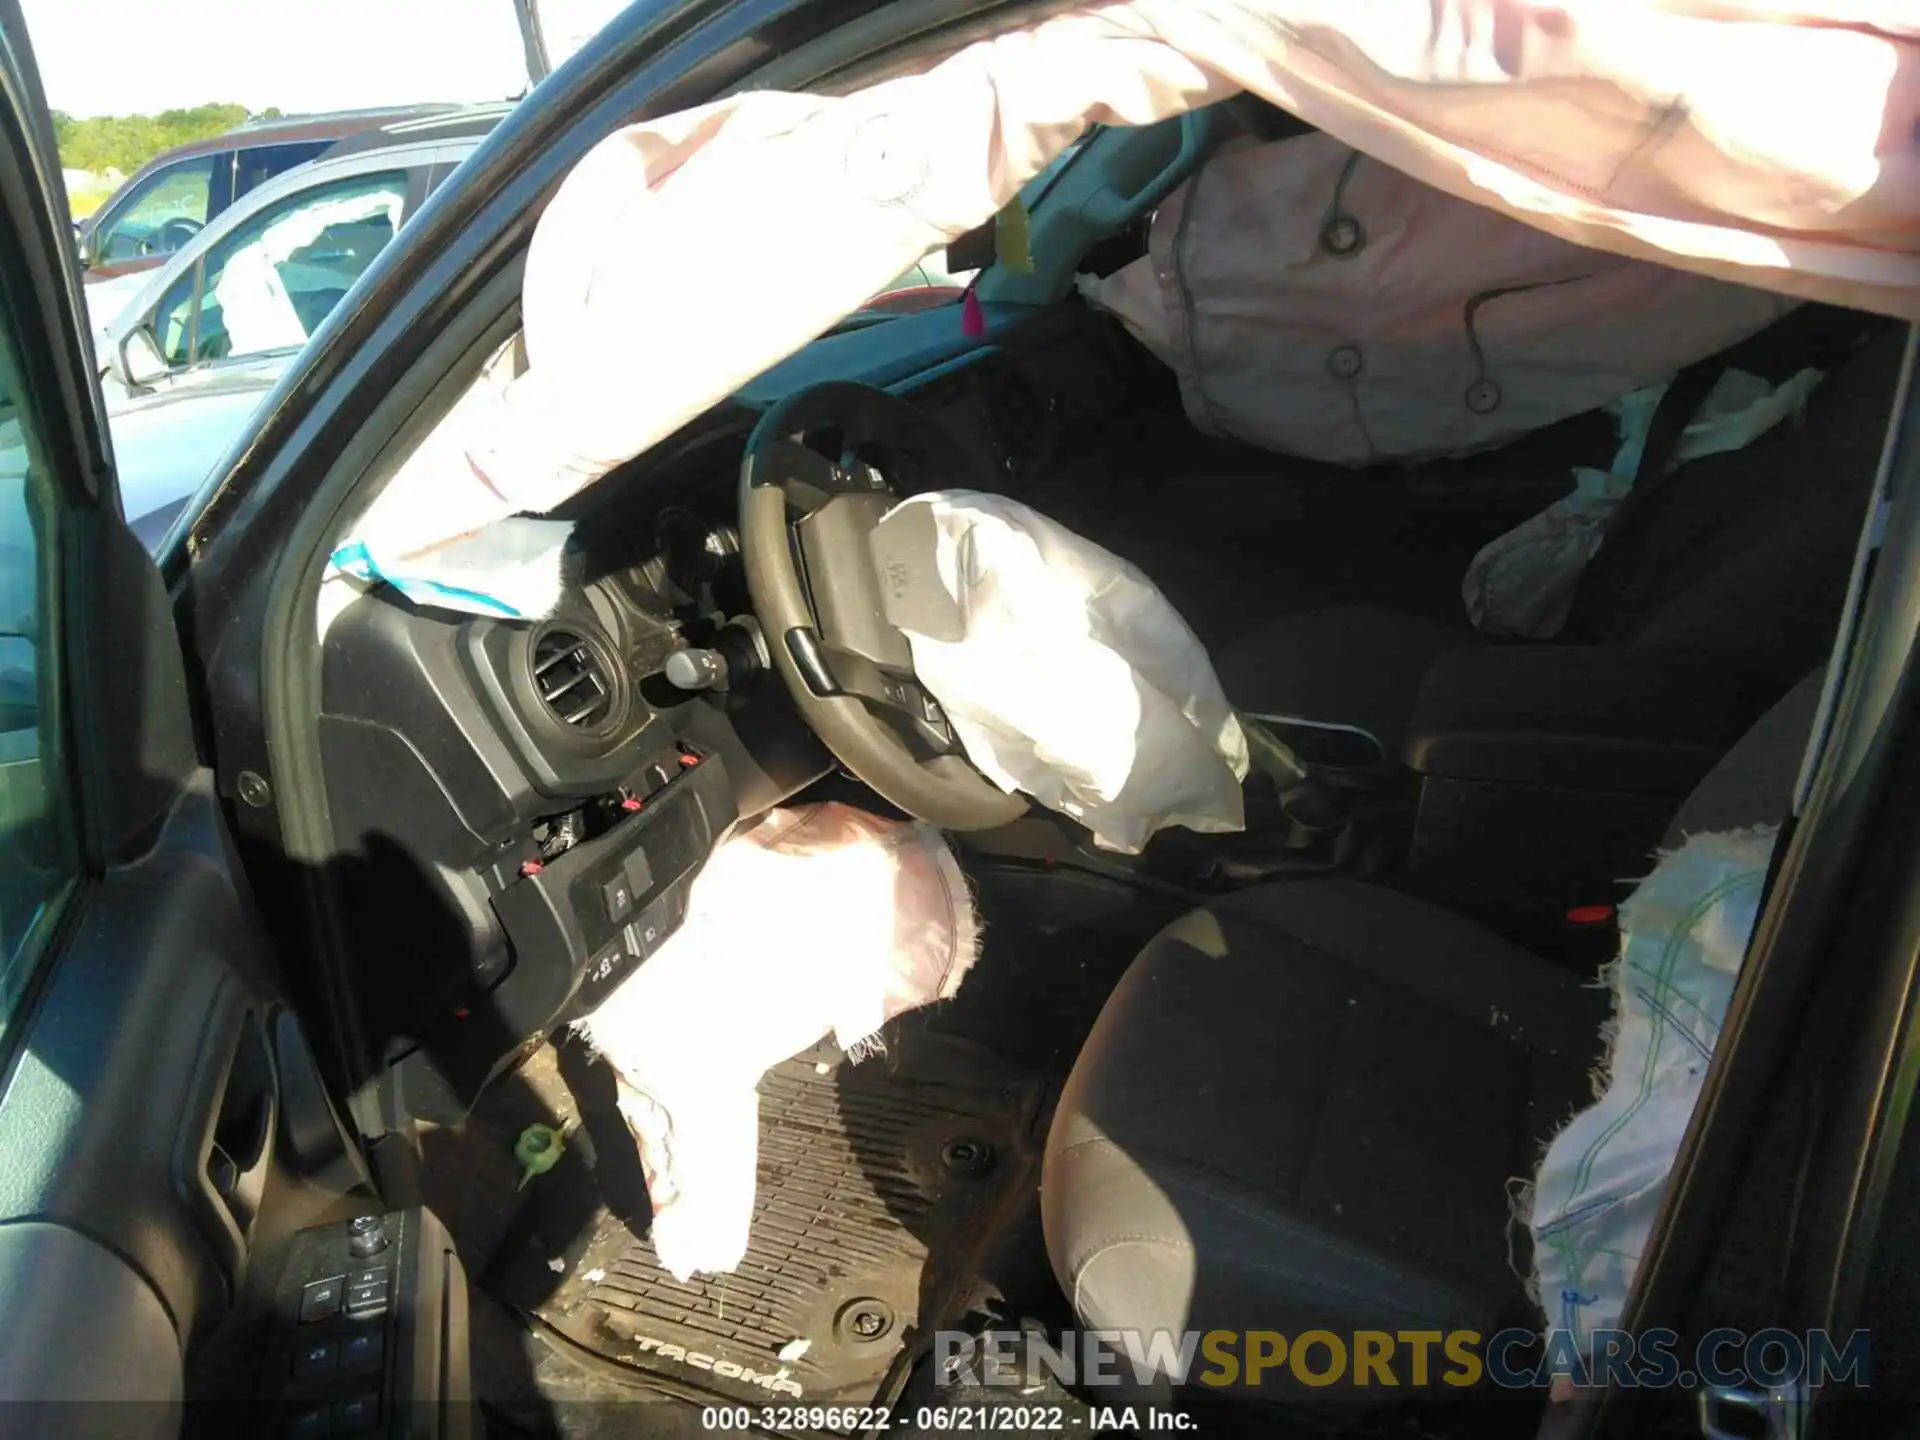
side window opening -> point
(269, 285)
(38, 827)
(169, 210)
(256, 166)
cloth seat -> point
(1299, 1110)
(1739, 558)
(1303, 1105)
(1346, 665)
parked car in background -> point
(187, 359)
(167, 201)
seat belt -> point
(1671, 416)
(1816, 337)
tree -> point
(126, 142)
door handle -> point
(225, 1149)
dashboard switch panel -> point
(592, 914)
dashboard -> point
(520, 809)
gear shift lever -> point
(1271, 756)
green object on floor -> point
(538, 1150)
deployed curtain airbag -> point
(1683, 940)
(1741, 140)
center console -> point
(1547, 775)
(1534, 785)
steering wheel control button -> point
(361, 1351)
(1345, 362)
(367, 1234)
(321, 1299)
(617, 896)
(316, 1358)
(356, 1416)
(311, 1422)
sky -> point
(135, 57)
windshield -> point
(931, 283)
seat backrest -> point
(1753, 782)
(1745, 556)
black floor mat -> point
(875, 1193)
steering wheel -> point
(171, 236)
(822, 469)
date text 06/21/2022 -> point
(944, 1419)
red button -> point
(1589, 914)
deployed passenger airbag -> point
(1317, 302)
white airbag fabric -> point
(820, 919)
(1523, 582)
(1074, 680)
(1742, 140)
(252, 291)
(1683, 939)
(1317, 302)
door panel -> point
(162, 1122)
(115, 1090)
(94, 1351)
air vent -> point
(570, 673)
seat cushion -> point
(1753, 783)
(1302, 1108)
(1349, 665)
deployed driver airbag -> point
(1065, 672)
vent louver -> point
(571, 677)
